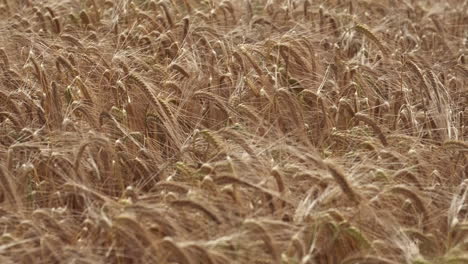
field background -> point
(234, 131)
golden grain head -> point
(233, 131)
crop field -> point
(234, 131)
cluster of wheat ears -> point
(234, 131)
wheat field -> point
(234, 131)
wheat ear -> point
(198, 206)
(85, 18)
(180, 69)
(367, 259)
(456, 144)
(9, 188)
(375, 127)
(407, 174)
(5, 60)
(365, 31)
(202, 252)
(85, 91)
(279, 179)
(266, 237)
(295, 247)
(182, 257)
(171, 186)
(340, 178)
(419, 204)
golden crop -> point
(234, 131)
